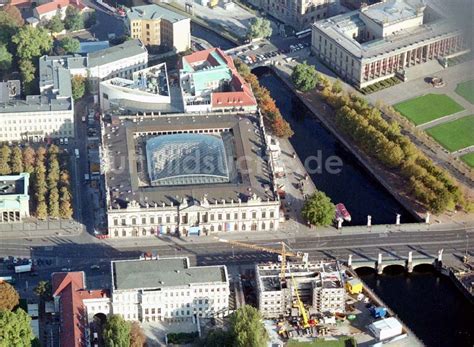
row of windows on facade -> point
(184, 218)
(61, 133)
(67, 121)
(132, 296)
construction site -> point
(303, 300)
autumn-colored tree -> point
(9, 297)
(40, 154)
(53, 203)
(41, 210)
(16, 161)
(137, 337)
(64, 178)
(28, 159)
(281, 128)
(5, 154)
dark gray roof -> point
(111, 54)
(9, 90)
(161, 273)
(153, 12)
(251, 175)
(37, 103)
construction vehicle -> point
(283, 253)
(300, 305)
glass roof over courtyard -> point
(186, 159)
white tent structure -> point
(386, 328)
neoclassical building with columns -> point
(188, 175)
(385, 39)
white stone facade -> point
(34, 125)
(135, 221)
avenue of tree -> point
(383, 140)
(266, 104)
(49, 178)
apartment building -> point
(157, 26)
(168, 289)
(319, 286)
(299, 14)
(384, 40)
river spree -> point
(429, 303)
(352, 185)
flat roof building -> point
(51, 114)
(383, 40)
(147, 90)
(157, 26)
(168, 289)
(320, 286)
(188, 174)
(14, 198)
(209, 82)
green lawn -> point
(428, 107)
(466, 90)
(454, 135)
(468, 159)
(345, 341)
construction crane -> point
(300, 304)
(283, 252)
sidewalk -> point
(288, 231)
(39, 229)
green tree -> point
(55, 24)
(260, 28)
(8, 26)
(218, 338)
(90, 20)
(53, 203)
(15, 329)
(116, 332)
(31, 42)
(73, 20)
(70, 44)
(305, 77)
(41, 210)
(337, 87)
(137, 337)
(29, 159)
(43, 290)
(27, 70)
(6, 58)
(246, 328)
(78, 87)
(318, 209)
(9, 297)
(5, 154)
(242, 68)
(16, 161)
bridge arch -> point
(393, 268)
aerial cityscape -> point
(236, 173)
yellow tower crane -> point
(283, 252)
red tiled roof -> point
(55, 4)
(241, 94)
(69, 286)
(20, 2)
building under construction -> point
(319, 287)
